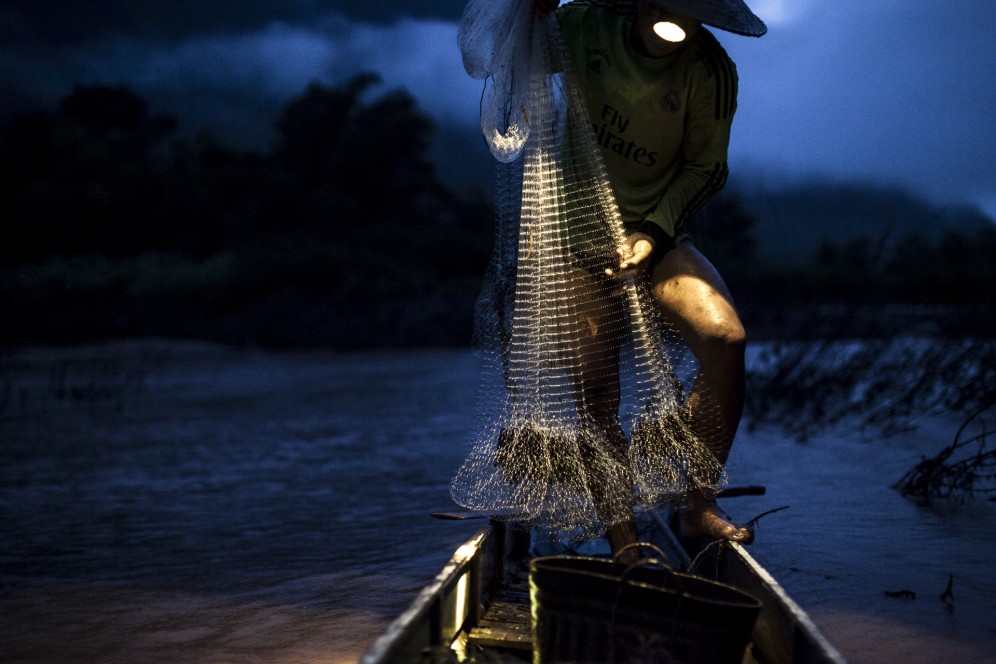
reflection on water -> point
(850, 547)
(162, 502)
(222, 506)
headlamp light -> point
(669, 32)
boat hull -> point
(480, 599)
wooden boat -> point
(480, 602)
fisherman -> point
(661, 93)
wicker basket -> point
(596, 611)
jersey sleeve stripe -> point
(721, 67)
(716, 181)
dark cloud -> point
(199, 57)
(896, 91)
(66, 22)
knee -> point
(731, 334)
(724, 338)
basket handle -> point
(662, 561)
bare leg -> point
(619, 536)
(696, 301)
(597, 394)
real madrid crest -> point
(598, 59)
(670, 99)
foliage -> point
(859, 285)
(115, 224)
(794, 220)
(962, 469)
(882, 387)
(878, 384)
(954, 268)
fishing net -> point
(583, 407)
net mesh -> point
(583, 407)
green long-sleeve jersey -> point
(663, 124)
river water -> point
(182, 502)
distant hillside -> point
(791, 224)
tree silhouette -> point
(372, 154)
(80, 181)
(114, 226)
(312, 127)
(370, 213)
(116, 115)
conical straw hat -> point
(730, 15)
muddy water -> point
(164, 502)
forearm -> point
(684, 196)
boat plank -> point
(508, 611)
(517, 636)
(507, 621)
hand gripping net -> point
(582, 410)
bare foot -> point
(705, 520)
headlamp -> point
(669, 32)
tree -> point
(81, 180)
(116, 115)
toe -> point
(742, 535)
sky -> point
(890, 92)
